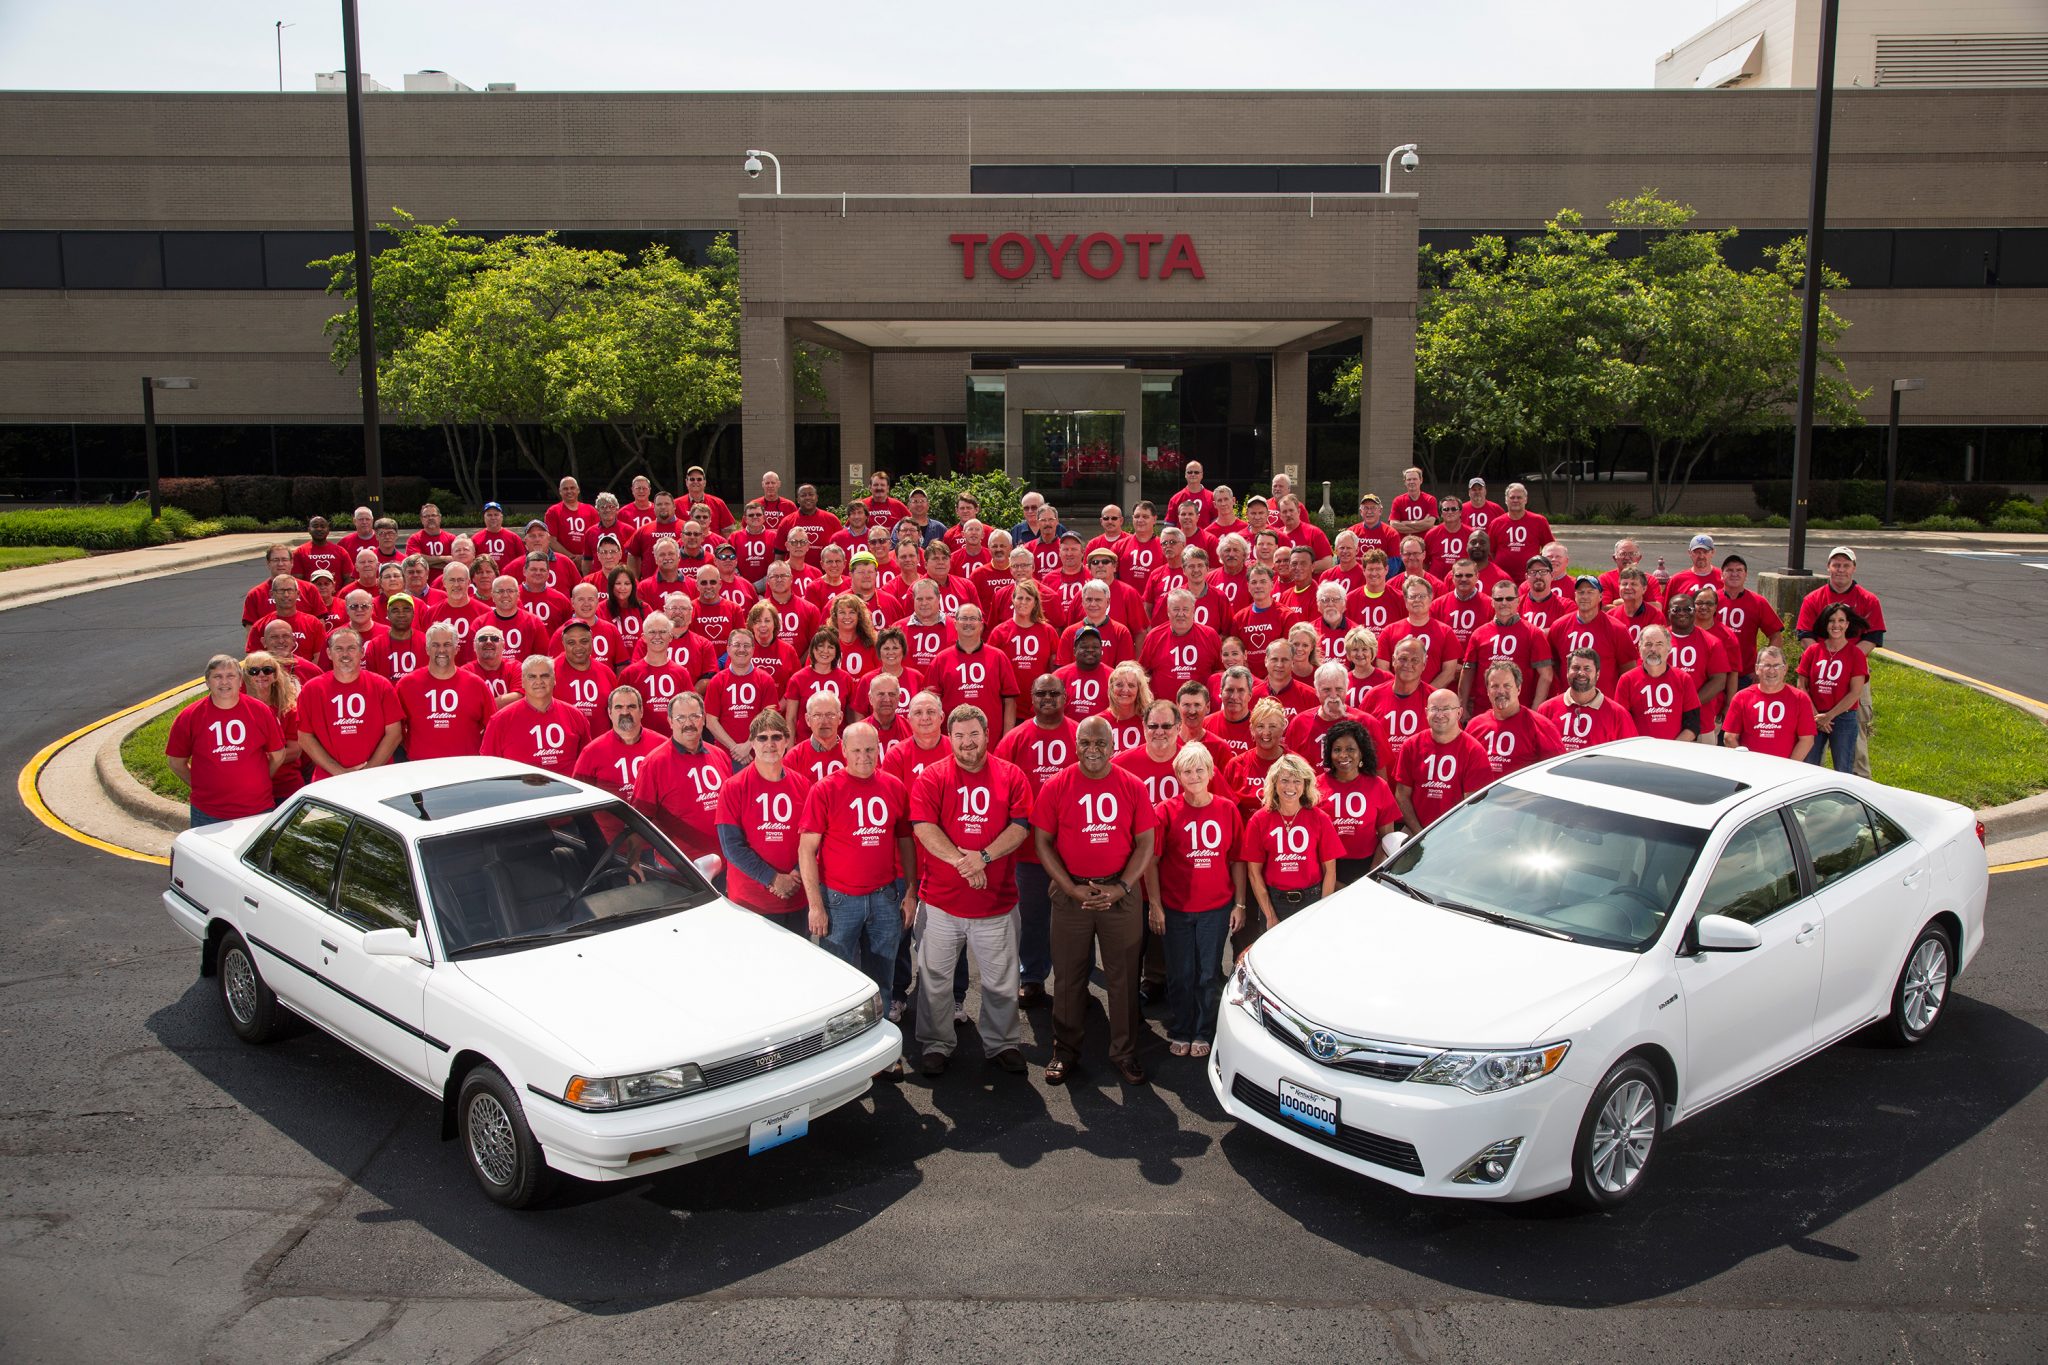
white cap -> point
(1844, 551)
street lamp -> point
(150, 384)
(1409, 161)
(1891, 446)
(753, 167)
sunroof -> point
(483, 793)
(1651, 779)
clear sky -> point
(837, 45)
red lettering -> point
(1180, 255)
(1055, 256)
(967, 242)
(1087, 255)
(1144, 241)
(1027, 257)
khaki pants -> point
(1863, 729)
(992, 943)
(1119, 933)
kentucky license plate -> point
(776, 1129)
(1309, 1108)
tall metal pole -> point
(1891, 461)
(366, 315)
(1809, 340)
(156, 502)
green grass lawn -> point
(28, 556)
(142, 753)
(1948, 740)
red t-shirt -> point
(1261, 626)
(806, 683)
(1650, 615)
(548, 607)
(755, 552)
(394, 659)
(229, 749)
(1525, 737)
(609, 762)
(905, 761)
(1462, 614)
(257, 604)
(646, 533)
(571, 526)
(589, 690)
(796, 621)
(503, 546)
(1094, 822)
(1658, 705)
(1582, 727)
(348, 719)
(1743, 617)
(1603, 635)
(1702, 653)
(1359, 810)
(736, 698)
(860, 819)
(1196, 846)
(445, 717)
(1439, 776)
(885, 513)
(524, 633)
(804, 756)
(972, 809)
(1404, 717)
(1828, 675)
(549, 739)
(1439, 642)
(1520, 644)
(1136, 559)
(766, 814)
(1244, 777)
(1305, 732)
(1040, 752)
(658, 685)
(679, 791)
(1410, 507)
(1295, 698)
(502, 681)
(1515, 543)
(1547, 611)
(607, 645)
(329, 556)
(1174, 660)
(1227, 738)
(983, 678)
(1030, 649)
(1290, 850)
(1157, 775)
(925, 641)
(1771, 722)
(307, 632)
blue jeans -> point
(1194, 972)
(865, 929)
(1034, 923)
(200, 819)
(1841, 741)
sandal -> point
(1178, 1048)
(1056, 1071)
(1200, 1049)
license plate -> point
(1309, 1108)
(776, 1129)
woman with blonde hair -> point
(1290, 848)
(1362, 662)
(858, 652)
(1244, 777)
(272, 682)
(1195, 897)
(1130, 696)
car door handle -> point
(250, 901)
(332, 949)
(1806, 933)
(1914, 876)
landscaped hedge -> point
(1829, 499)
(269, 497)
(200, 497)
(126, 527)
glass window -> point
(1226, 179)
(30, 260)
(1944, 258)
(307, 849)
(376, 882)
(1021, 180)
(213, 260)
(285, 255)
(1330, 179)
(1836, 828)
(1757, 875)
(1864, 255)
(113, 260)
(1123, 179)
(2022, 257)
(1889, 835)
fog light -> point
(1491, 1166)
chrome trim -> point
(1338, 1050)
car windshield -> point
(1534, 862)
(561, 876)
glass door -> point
(1161, 461)
(1074, 456)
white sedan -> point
(536, 956)
(1525, 996)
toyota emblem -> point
(1322, 1044)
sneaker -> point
(897, 1009)
(933, 1064)
(961, 1016)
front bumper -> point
(1413, 1137)
(600, 1146)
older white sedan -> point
(1524, 997)
(535, 955)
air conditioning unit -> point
(433, 83)
(337, 81)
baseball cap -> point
(1369, 497)
(724, 552)
(1586, 580)
(327, 574)
(1843, 551)
(494, 507)
(1475, 482)
(398, 597)
(1070, 535)
(862, 558)
(607, 536)
(536, 522)
(1087, 630)
(1702, 542)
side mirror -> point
(1723, 934)
(1394, 842)
(397, 943)
(710, 865)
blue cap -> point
(494, 507)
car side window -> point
(1889, 835)
(1757, 875)
(376, 881)
(1836, 828)
(307, 849)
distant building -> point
(1893, 43)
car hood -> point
(698, 986)
(1371, 962)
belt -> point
(1296, 897)
(1101, 881)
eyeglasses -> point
(260, 670)
(1162, 725)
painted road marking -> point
(1979, 554)
(25, 785)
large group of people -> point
(925, 743)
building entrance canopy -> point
(1078, 275)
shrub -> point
(403, 493)
(200, 497)
(1775, 523)
(237, 525)
(1000, 497)
(1861, 522)
(1946, 523)
(199, 530)
(261, 496)
(1831, 498)
(317, 495)
(1980, 501)
(2017, 525)
(283, 526)
(2024, 510)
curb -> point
(122, 787)
(89, 580)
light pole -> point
(753, 166)
(150, 384)
(281, 27)
(1409, 161)
(366, 313)
(1891, 447)
(1809, 329)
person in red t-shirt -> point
(1245, 775)
(1086, 679)
(1152, 761)
(349, 719)
(1333, 705)
(1590, 627)
(1289, 847)
(821, 752)
(321, 553)
(1514, 735)
(661, 674)
(1518, 535)
(1702, 654)
(1402, 706)
(1745, 615)
(1440, 767)
(1194, 492)
(1507, 637)
(258, 603)
(974, 673)
(489, 665)
(1702, 574)
(1356, 797)
(397, 649)
(859, 860)
(1770, 717)
(569, 522)
(970, 812)
(694, 483)
(582, 679)
(1866, 632)
(1660, 699)
(445, 706)
(821, 673)
(1583, 714)
(1043, 746)
(1636, 612)
(1195, 897)
(679, 782)
(1543, 603)
(537, 729)
(1442, 650)
(613, 758)
(520, 630)
(1180, 650)
(737, 694)
(1279, 682)
(1095, 833)
(1413, 511)
(226, 746)
(759, 813)
(1835, 673)
(308, 635)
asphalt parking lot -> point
(172, 1194)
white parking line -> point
(2032, 565)
(1979, 554)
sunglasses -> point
(1162, 725)
(260, 671)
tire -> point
(1614, 1150)
(500, 1148)
(251, 1007)
(1920, 995)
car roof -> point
(400, 795)
(1665, 779)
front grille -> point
(1354, 1142)
(1374, 1066)
(763, 1060)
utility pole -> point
(1809, 340)
(366, 315)
(281, 27)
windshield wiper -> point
(515, 940)
(1507, 921)
(1389, 879)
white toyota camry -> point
(535, 955)
(1524, 997)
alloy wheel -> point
(1926, 984)
(492, 1144)
(238, 983)
(1623, 1135)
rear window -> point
(484, 793)
(1651, 779)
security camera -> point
(1409, 161)
(753, 168)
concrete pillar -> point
(1386, 405)
(856, 421)
(1290, 417)
(767, 401)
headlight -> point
(1245, 992)
(619, 1092)
(1483, 1073)
(859, 1019)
